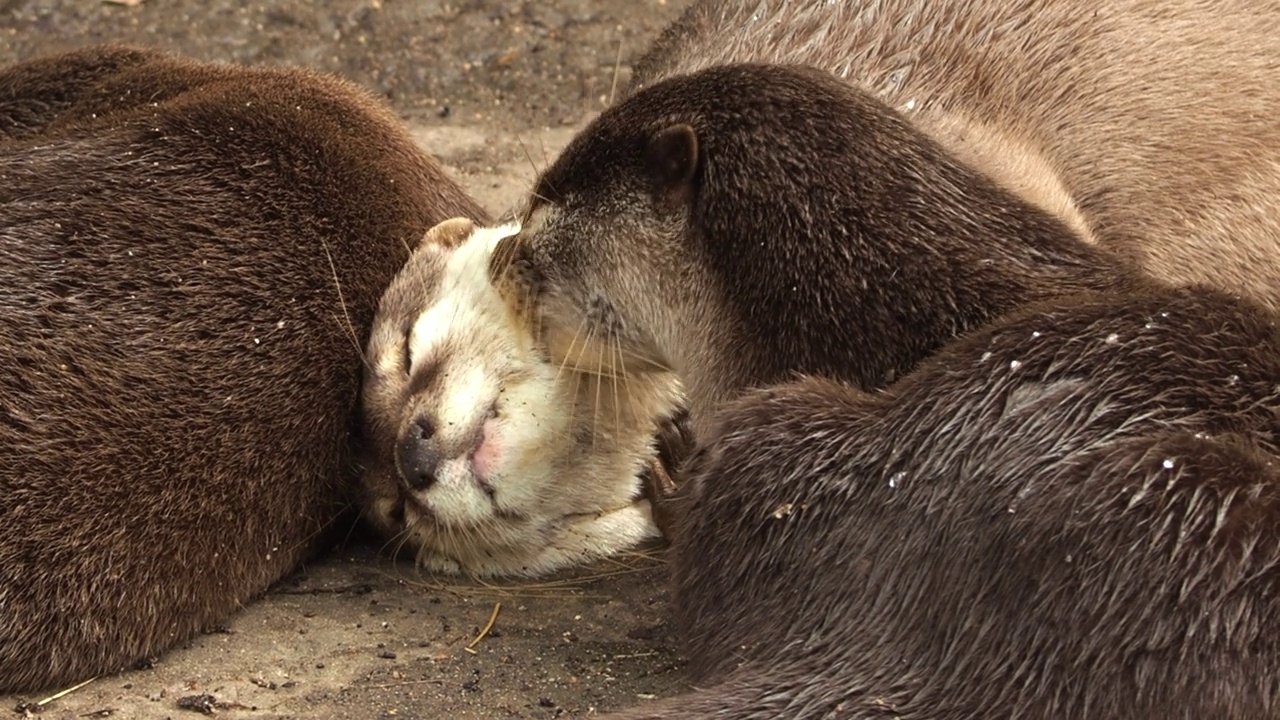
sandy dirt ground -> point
(494, 89)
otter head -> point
(483, 456)
(697, 226)
(608, 261)
(606, 256)
(747, 222)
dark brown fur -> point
(190, 256)
(1073, 513)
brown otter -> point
(793, 224)
(1071, 513)
(484, 456)
(190, 258)
(1150, 126)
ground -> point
(494, 89)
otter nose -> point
(419, 455)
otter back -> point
(190, 256)
(1072, 513)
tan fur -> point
(190, 257)
(1152, 126)
(451, 233)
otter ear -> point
(672, 160)
(449, 233)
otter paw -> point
(664, 497)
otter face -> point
(604, 249)
(597, 313)
(485, 457)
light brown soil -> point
(357, 636)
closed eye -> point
(407, 346)
(426, 375)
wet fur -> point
(455, 346)
(1091, 532)
(190, 258)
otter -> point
(484, 457)
(1073, 512)
(191, 256)
(1151, 127)
(794, 224)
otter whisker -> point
(595, 413)
(398, 540)
(533, 316)
(504, 258)
(542, 178)
(579, 373)
(627, 385)
(613, 374)
(540, 196)
(326, 524)
(527, 155)
(625, 355)
(447, 542)
(342, 303)
(546, 158)
(617, 66)
(569, 351)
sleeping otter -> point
(484, 456)
(191, 255)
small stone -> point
(204, 704)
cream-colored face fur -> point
(532, 467)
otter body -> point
(1072, 513)
(1151, 127)
(190, 258)
(1148, 130)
